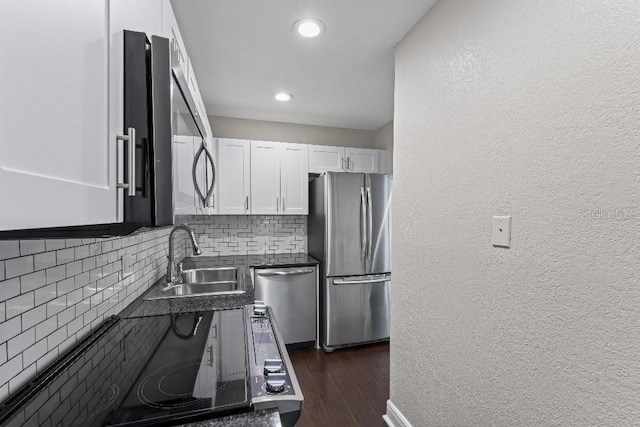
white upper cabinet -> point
(233, 177)
(184, 192)
(326, 158)
(294, 172)
(361, 160)
(265, 177)
(262, 178)
(57, 143)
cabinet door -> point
(361, 160)
(294, 182)
(325, 158)
(184, 193)
(57, 154)
(234, 176)
(265, 178)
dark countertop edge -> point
(261, 418)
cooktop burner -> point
(144, 371)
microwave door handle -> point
(363, 225)
(194, 175)
(213, 175)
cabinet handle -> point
(130, 139)
(246, 204)
(351, 164)
(277, 204)
(283, 205)
(342, 161)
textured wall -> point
(227, 127)
(383, 140)
(53, 292)
(531, 109)
(220, 235)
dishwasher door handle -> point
(285, 273)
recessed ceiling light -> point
(283, 96)
(309, 27)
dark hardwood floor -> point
(348, 387)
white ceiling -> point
(244, 51)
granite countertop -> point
(140, 307)
(263, 418)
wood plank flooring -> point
(348, 387)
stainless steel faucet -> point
(170, 263)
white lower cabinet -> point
(233, 177)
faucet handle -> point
(180, 269)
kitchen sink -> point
(199, 282)
(210, 275)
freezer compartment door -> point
(356, 310)
(291, 293)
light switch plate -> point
(501, 231)
(127, 267)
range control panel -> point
(269, 370)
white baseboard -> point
(394, 417)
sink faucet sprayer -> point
(170, 263)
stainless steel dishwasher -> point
(292, 293)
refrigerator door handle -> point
(370, 221)
(363, 225)
(360, 282)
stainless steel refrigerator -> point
(350, 234)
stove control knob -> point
(276, 382)
(259, 308)
(272, 366)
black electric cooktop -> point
(158, 370)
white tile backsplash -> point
(9, 288)
(19, 343)
(33, 281)
(9, 249)
(20, 304)
(54, 291)
(221, 235)
(30, 247)
(18, 266)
